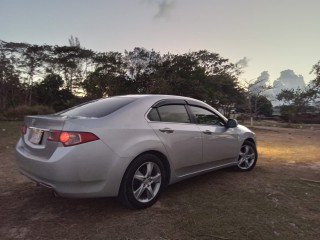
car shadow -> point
(32, 199)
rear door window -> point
(173, 113)
(98, 108)
(153, 115)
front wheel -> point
(247, 157)
(142, 182)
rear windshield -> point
(97, 108)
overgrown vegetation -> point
(59, 77)
(297, 106)
(20, 111)
(62, 76)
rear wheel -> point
(143, 182)
(247, 157)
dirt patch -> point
(274, 201)
(290, 146)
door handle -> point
(166, 130)
(207, 132)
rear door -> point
(181, 137)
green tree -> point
(31, 63)
(50, 92)
(71, 62)
(181, 75)
(108, 77)
(141, 68)
(10, 88)
(296, 101)
(72, 70)
(201, 75)
(264, 106)
(228, 94)
(315, 84)
(255, 95)
(74, 42)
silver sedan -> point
(130, 146)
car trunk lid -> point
(37, 131)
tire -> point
(248, 156)
(143, 182)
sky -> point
(268, 35)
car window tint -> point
(153, 115)
(204, 116)
(174, 113)
(98, 108)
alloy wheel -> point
(146, 182)
(247, 157)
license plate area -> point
(36, 135)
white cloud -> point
(287, 80)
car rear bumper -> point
(82, 171)
(71, 189)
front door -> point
(220, 144)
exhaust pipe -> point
(41, 184)
(55, 193)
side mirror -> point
(232, 123)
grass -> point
(272, 123)
(9, 134)
(261, 210)
(9, 128)
(270, 202)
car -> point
(130, 146)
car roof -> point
(156, 96)
(161, 99)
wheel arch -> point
(165, 162)
(163, 159)
(250, 140)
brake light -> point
(23, 129)
(71, 138)
(64, 137)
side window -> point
(173, 113)
(153, 115)
(203, 116)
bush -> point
(20, 111)
(288, 112)
(292, 114)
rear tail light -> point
(54, 135)
(71, 138)
(23, 129)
